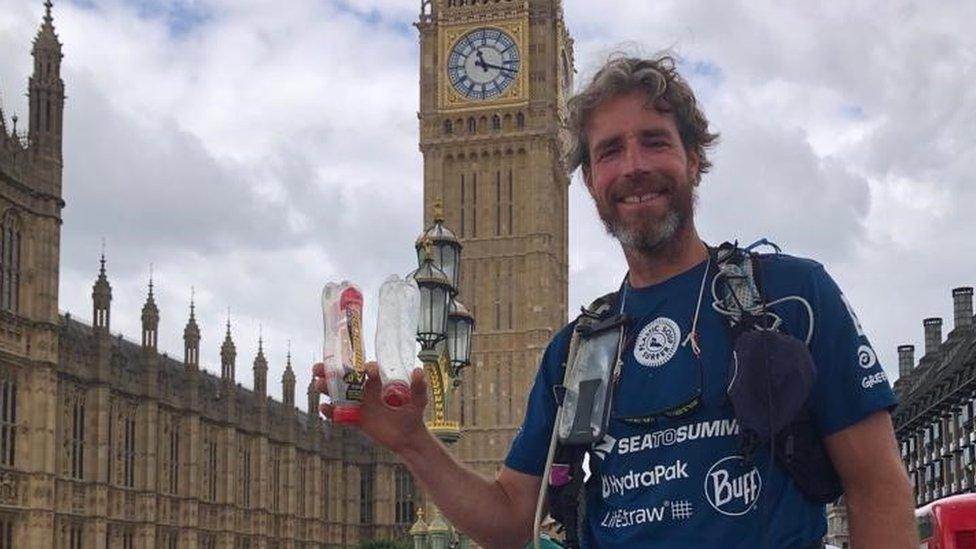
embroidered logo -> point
(866, 357)
(657, 342)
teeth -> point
(633, 199)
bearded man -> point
(670, 469)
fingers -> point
(326, 410)
(418, 387)
(318, 374)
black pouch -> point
(770, 381)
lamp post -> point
(445, 327)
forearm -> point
(479, 507)
(880, 514)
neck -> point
(676, 256)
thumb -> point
(418, 387)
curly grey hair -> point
(666, 90)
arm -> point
(494, 513)
(876, 487)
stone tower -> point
(493, 81)
(30, 240)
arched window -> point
(448, 127)
(10, 261)
(472, 125)
(496, 122)
(482, 124)
(520, 120)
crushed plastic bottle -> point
(396, 332)
(342, 349)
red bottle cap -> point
(351, 296)
(396, 394)
(347, 414)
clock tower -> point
(494, 76)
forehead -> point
(628, 113)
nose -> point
(633, 159)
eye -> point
(607, 152)
(656, 143)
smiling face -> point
(639, 174)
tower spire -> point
(46, 93)
(101, 298)
(150, 318)
(228, 355)
(191, 339)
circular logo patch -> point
(732, 488)
(657, 342)
(866, 357)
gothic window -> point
(174, 458)
(474, 205)
(73, 432)
(122, 443)
(326, 497)
(244, 473)
(462, 205)
(472, 125)
(169, 452)
(302, 488)
(208, 541)
(511, 202)
(276, 478)
(10, 240)
(168, 538)
(404, 493)
(496, 122)
(74, 536)
(498, 203)
(365, 494)
(8, 422)
(209, 469)
(6, 532)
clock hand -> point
(487, 66)
(480, 62)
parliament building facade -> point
(106, 443)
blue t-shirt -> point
(681, 482)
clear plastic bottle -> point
(342, 349)
(396, 332)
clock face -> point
(483, 63)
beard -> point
(650, 234)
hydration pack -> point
(770, 380)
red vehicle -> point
(948, 523)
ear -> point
(587, 178)
(692, 165)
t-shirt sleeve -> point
(531, 442)
(851, 383)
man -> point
(663, 478)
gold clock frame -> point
(517, 92)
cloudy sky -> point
(253, 149)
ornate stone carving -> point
(8, 488)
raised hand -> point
(394, 428)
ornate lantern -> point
(435, 293)
(460, 325)
(441, 245)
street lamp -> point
(445, 327)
